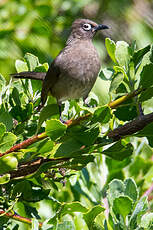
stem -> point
(42, 136)
(124, 98)
(17, 217)
(25, 143)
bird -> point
(74, 71)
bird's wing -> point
(49, 81)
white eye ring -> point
(87, 26)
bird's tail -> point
(30, 75)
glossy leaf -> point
(68, 225)
(147, 221)
(146, 79)
(90, 216)
(131, 189)
(7, 141)
(55, 129)
(21, 66)
(116, 189)
(138, 55)
(2, 130)
(5, 178)
(119, 151)
(32, 61)
(47, 112)
(122, 205)
(122, 53)
(8, 163)
(110, 46)
(102, 115)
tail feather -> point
(30, 75)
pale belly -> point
(72, 88)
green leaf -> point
(45, 146)
(6, 119)
(66, 225)
(101, 89)
(116, 189)
(122, 53)
(22, 113)
(102, 114)
(131, 189)
(4, 178)
(151, 55)
(2, 82)
(90, 216)
(119, 151)
(55, 129)
(119, 69)
(146, 75)
(116, 81)
(78, 163)
(140, 209)
(7, 141)
(138, 55)
(111, 47)
(147, 221)
(122, 205)
(16, 96)
(126, 113)
(32, 61)
(146, 131)
(21, 66)
(85, 135)
(146, 95)
(69, 148)
(106, 74)
(8, 163)
(40, 68)
(48, 111)
(69, 208)
(2, 130)
(24, 188)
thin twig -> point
(69, 123)
(14, 216)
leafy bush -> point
(62, 166)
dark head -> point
(85, 29)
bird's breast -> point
(80, 60)
(79, 67)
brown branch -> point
(42, 136)
(25, 143)
(131, 127)
(31, 167)
(17, 217)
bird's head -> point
(85, 28)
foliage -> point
(34, 170)
(84, 174)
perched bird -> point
(73, 72)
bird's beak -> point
(101, 27)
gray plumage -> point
(73, 72)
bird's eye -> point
(87, 26)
